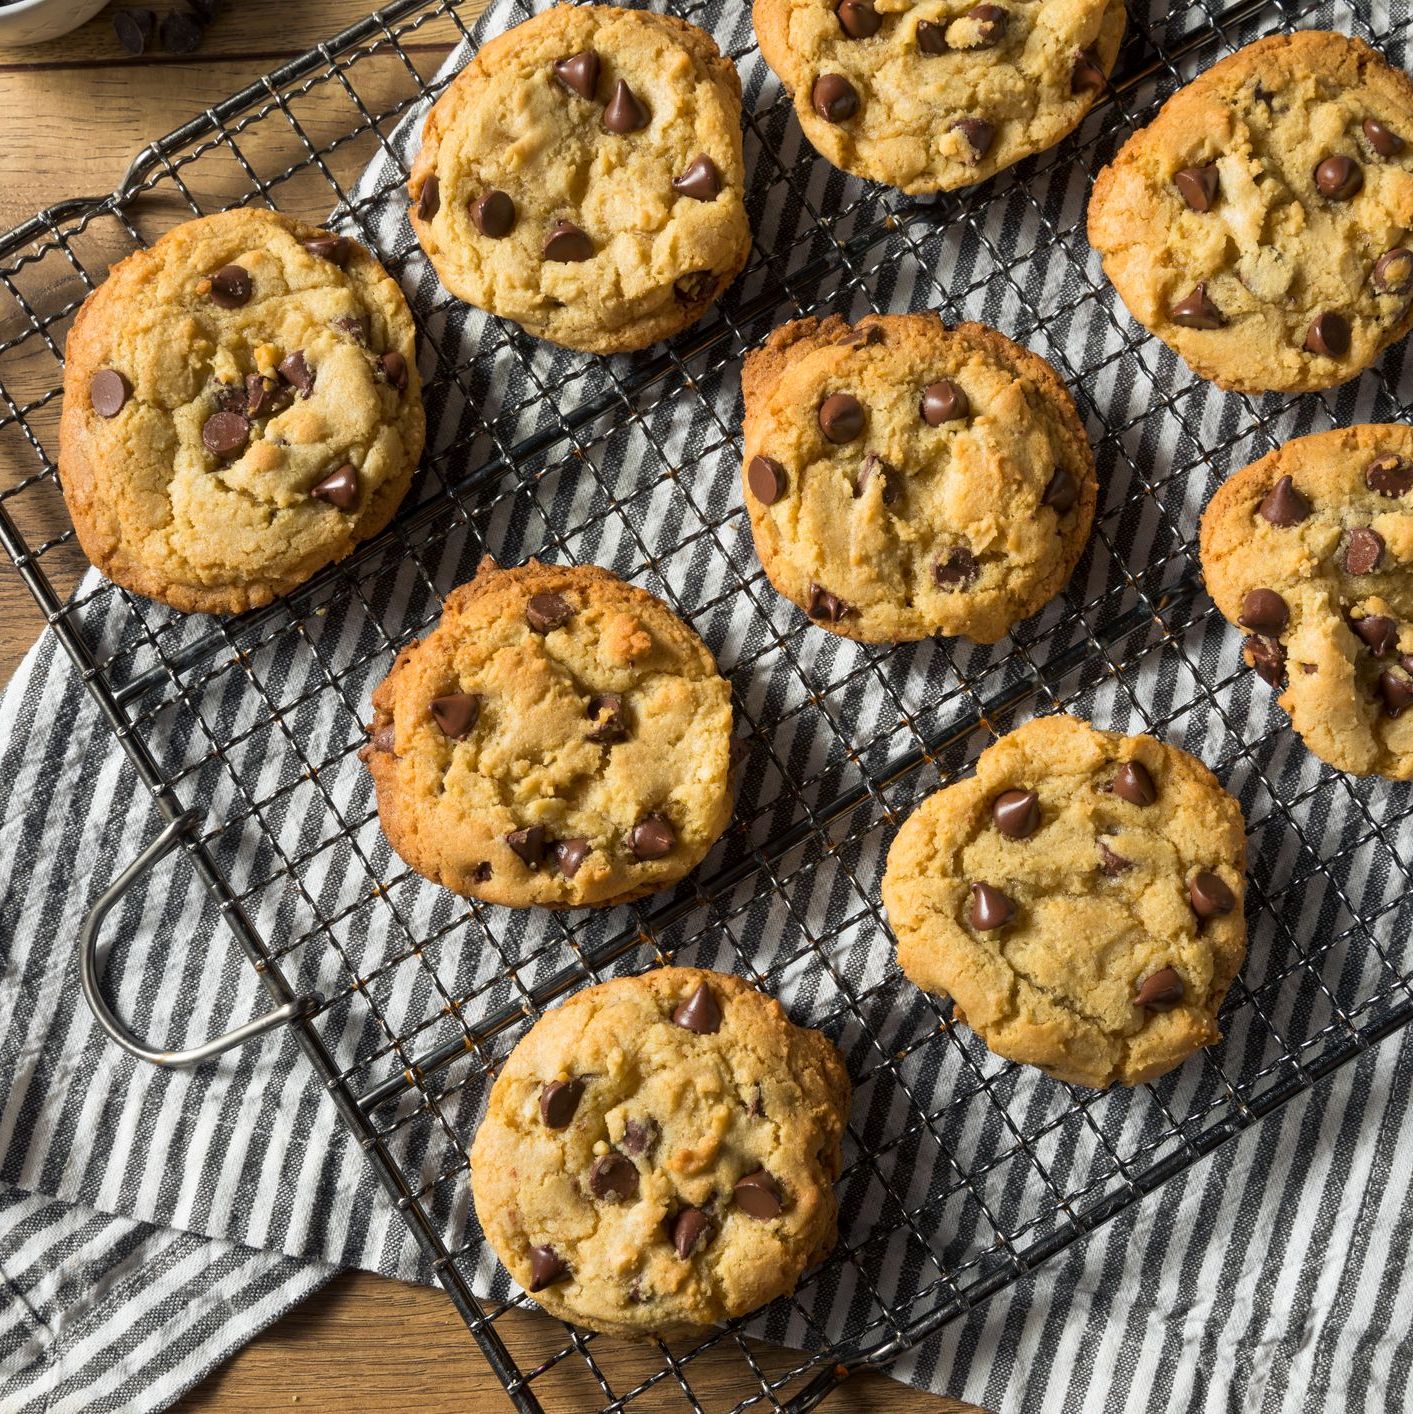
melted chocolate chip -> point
(1378, 632)
(297, 373)
(529, 844)
(568, 855)
(1111, 863)
(1284, 506)
(546, 612)
(108, 392)
(482, 872)
(224, 434)
(339, 488)
(979, 135)
(1363, 552)
(613, 1178)
(429, 199)
(567, 244)
(1198, 186)
(456, 713)
(1061, 492)
(931, 38)
(1196, 310)
(1264, 611)
(835, 99)
(955, 569)
(1088, 74)
(1160, 991)
(354, 325)
(546, 1268)
(694, 286)
(689, 1228)
(858, 19)
(757, 1195)
(826, 607)
(231, 286)
(1383, 140)
(1016, 813)
(699, 1013)
(1393, 271)
(579, 73)
(1338, 177)
(944, 401)
(1209, 895)
(990, 908)
(990, 22)
(1328, 335)
(1390, 475)
(605, 710)
(701, 181)
(558, 1101)
(395, 369)
(888, 478)
(334, 249)
(625, 112)
(652, 837)
(1266, 657)
(841, 418)
(1134, 783)
(264, 396)
(639, 1136)
(1396, 692)
(766, 478)
(493, 214)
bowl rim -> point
(29, 7)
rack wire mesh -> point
(962, 1172)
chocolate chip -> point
(1266, 657)
(889, 478)
(639, 1135)
(579, 73)
(1197, 311)
(494, 214)
(944, 401)
(1384, 141)
(1263, 95)
(108, 392)
(1016, 813)
(757, 1196)
(766, 478)
(699, 1013)
(1134, 783)
(383, 736)
(181, 33)
(231, 286)
(1390, 475)
(824, 606)
(566, 243)
(624, 112)
(1283, 505)
(429, 199)
(546, 612)
(1338, 177)
(134, 28)
(694, 286)
(1328, 335)
(605, 710)
(482, 872)
(230, 397)
(979, 135)
(701, 181)
(1111, 863)
(456, 713)
(931, 38)
(835, 99)
(690, 1227)
(325, 246)
(225, 434)
(1393, 271)
(1160, 991)
(841, 418)
(652, 837)
(990, 908)
(339, 488)
(297, 373)
(530, 844)
(395, 369)
(955, 569)
(1362, 554)
(1088, 74)
(263, 396)
(1378, 632)
(206, 10)
(568, 855)
(861, 336)
(858, 19)
(990, 21)
(1396, 692)
(546, 1268)
(1198, 186)
(613, 1178)
(558, 1101)
(354, 325)
(1264, 611)
(1061, 492)
(1209, 895)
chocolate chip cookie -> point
(560, 738)
(906, 479)
(659, 1153)
(940, 94)
(583, 176)
(1259, 225)
(1309, 552)
(241, 407)
(1079, 898)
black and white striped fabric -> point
(150, 1222)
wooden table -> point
(73, 113)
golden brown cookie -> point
(1259, 225)
(659, 1153)
(1309, 551)
(583, 176)
(560, 738)
(241, 407)
(1080, 899)
(906, 479)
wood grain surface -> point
(73, 113)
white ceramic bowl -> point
(29, 21)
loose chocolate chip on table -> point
(889, 478)
(395, 370)
(1266, 657)
(766, 478)
(990, 908)
(529, 844)
(297, 373)
(181, 33)
(1196, 310)
(1390, 475)
(429, 199)
(546, 1268)
(689, 1227)
(858, 19)
(1160, 991)
(613, 1178)
(1338, 177)
(828, 608)
(1016, 813)
(701, 181)
(1134, 784)
(1088, 73)
(699, 1013)
(579, 73)
(1393, 271)
(990, 21)
(955, 569)
(652, 837)
(108, 392)
(1061, 492)
(568, 855)
(1283, 505)
(231, 286)
(978, 135)
(334, 249)
(1264, 611)
(339, 488)
(639, 1135)
(494, 214)
(566, 243)
(1328, 335)
(558, 1101)
(757, 1195)
(456, 713)
(1209, 895)
(1198, 186)
(835, 99)
(943, 401)
(1112, 864)
(1384, 141)
(225, 434)
(1362, 554)
(605, 711)
(134, 28)
(545, 612)
(694, 286)
(354, 325)
(1378, 632)
(841, 417)
(1396, 692)
(624, 113)
(931, 38)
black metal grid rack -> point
(962, 1172)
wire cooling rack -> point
(962, 1172)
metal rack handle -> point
(160, 847)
